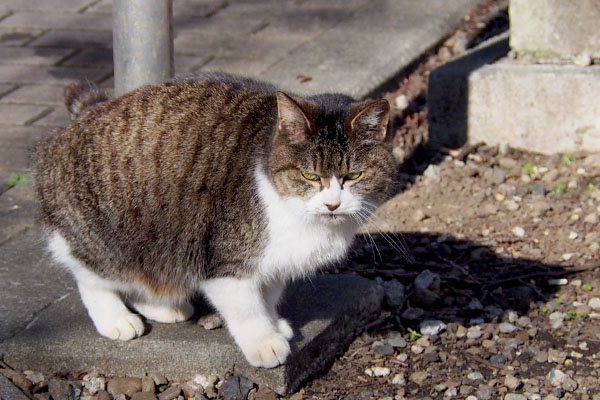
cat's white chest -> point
(297, 244)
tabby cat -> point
(212, 184)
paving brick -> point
(76, 39)
(20, 114)
(189, 64)
(32, 56)
(237, 66)
(58, 118)
(217, 25)
(18, 36)
(72, 6)
(35, 94)
(21, 137)
(46, 20)
(49, 75)
(13, 160)
(5, 88)
(93, 58)
(17, 211)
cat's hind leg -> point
(104, 305)
(165, 313)
(241, 303)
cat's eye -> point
(352, 176)
(310, 176)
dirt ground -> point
(490, 258)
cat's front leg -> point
(242, 305)
(272, 293)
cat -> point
(214, 184)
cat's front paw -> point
(268, 352)
(285, 328)
(122, 327)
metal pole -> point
(142, 43)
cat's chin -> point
(334, 219)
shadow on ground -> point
(470, 280)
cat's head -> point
(332, 155)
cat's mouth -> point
(334, 218)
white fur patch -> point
(300, 239)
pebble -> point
(170, 393)
(211, 321)
(21, 381)
(473, 376)
(518, 231)
(401, 102)
(395, 339)
(236, 388)
(393, 293)
(148, 384)
(399, 379)
(144, 396)
(125, 385)
(591, 218)
(158, 378)
(377, 371)
(264, 393)
(558, 378)
(415, 348)
(556, 356)
(93, 384)
(515, 396)
(507, 327)
(507, 163)
(427, 280)
(419, 377)
(558, 282)
(461, 331)
(512, 383)
(511, 205)
(381, 348)
(432, 327)
(474, 332)
(34, 377)
(573, 235)
(498, 359)
(594, 303)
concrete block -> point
(542, 108)
(555, 28)
(325, 314)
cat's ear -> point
(370, 119)
(291, 118)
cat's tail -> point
(81, 96)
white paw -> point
(122, 327)
(284, 328)
(165, 314)
(269, 352)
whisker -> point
(402, 249)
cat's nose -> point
(332, 207)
